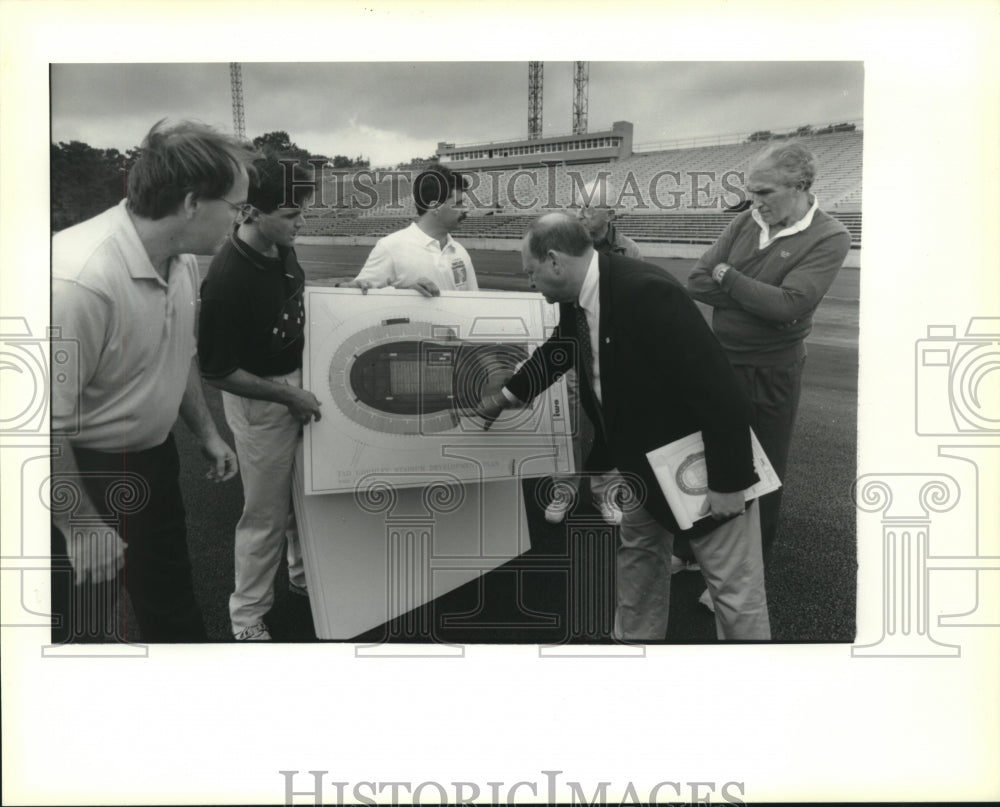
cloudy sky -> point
(390, 112)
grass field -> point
(811, 577)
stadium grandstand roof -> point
(614, 143)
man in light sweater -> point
(764, 277)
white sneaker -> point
(559, 506)
(679, 565)
(706, 600)
(255, 633)
(610, 512)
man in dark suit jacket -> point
(651, 372)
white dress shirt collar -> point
(766, 238)
(589, 297)
(590, 301)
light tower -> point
(581, 79)
(236, 84)
(535, 73)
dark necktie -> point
(586, 351)
(586, 364)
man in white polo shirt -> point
(424, 256)
(124, 291)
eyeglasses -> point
(241, 210)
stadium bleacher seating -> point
(671, 228)
(673, 196)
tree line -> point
(85, 181)
(802, 131)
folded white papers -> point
(683, 476)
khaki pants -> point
(265, 435)
(730, 559)
(602, 485)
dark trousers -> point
(774, 393)
(139, 494)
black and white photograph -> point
(682, 197)
(378, 393)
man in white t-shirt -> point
(424, 256)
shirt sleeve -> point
(632, 249)
(81, 316)
(194, 278)
(471, 280)
(222, 323)
(218, 339)
(700, 284)
(510, 396)
(380, 267)
(801, 290)
(553, 358)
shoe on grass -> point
(255, 633)
(680, 565)
(559, 506)
(610, 512)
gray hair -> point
(793, 162)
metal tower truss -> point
(581, 80)
(535, 80)
(236, 83)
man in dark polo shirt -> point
(250, 343)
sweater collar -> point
(765, 236)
